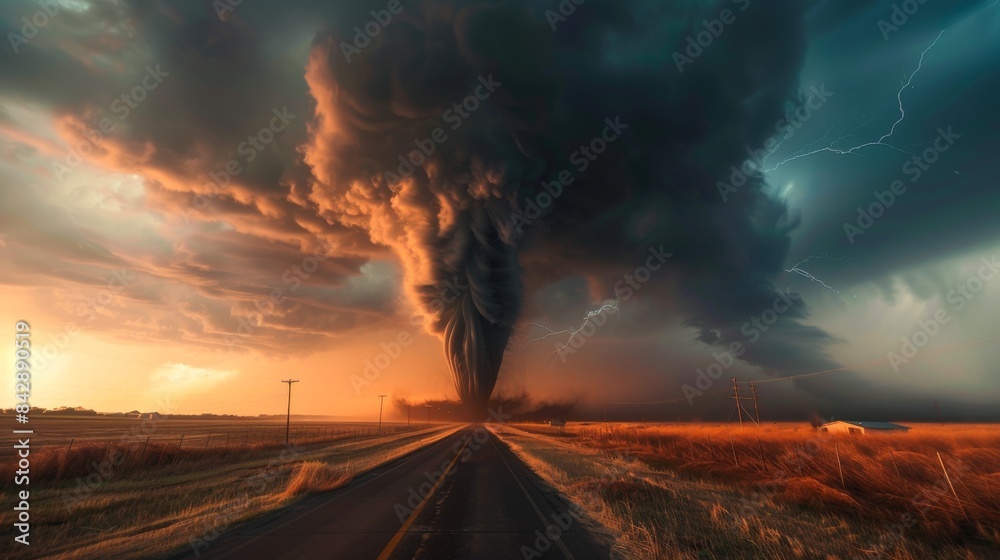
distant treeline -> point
(80, 411)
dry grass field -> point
(660, 491)
(115, 497)
(67, 447)
(54, 431)
(710, 491)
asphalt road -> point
(488, 505)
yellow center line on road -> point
(389, 548)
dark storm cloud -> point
(949, 207)
(655, 186)
(221, 83)
(606, 72)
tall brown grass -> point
(55, 464)
(894, 477)
(314, 476)
(678, 492)
(155, 503)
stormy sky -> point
(624, 201)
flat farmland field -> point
(132, 489)
(59, 432)
(781, 488)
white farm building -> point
(858, 427)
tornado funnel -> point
(474, 347)
(478, 324)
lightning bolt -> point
(811, 150)
(573, 332)
(880, 142)
(797, 268)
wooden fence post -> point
(65, 459)
(179, 445)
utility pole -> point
(288, 415)
(739, 408)
(380, 399)
(408, 414)
(428, 407)
(755, 417)
(756, 411)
